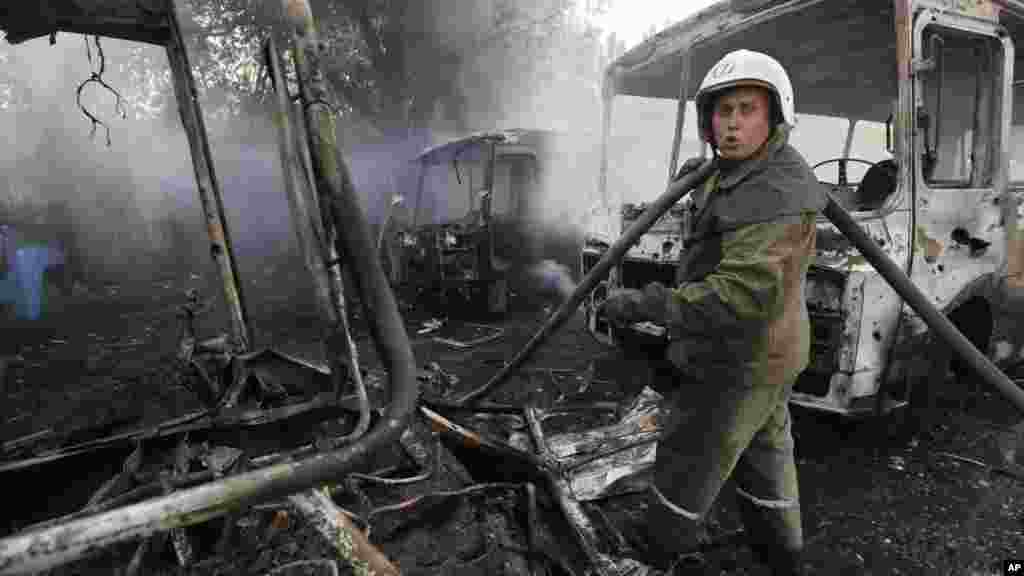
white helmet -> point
(745, 68)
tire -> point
(974, 320)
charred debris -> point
(367, 468)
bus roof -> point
(511, 142)
(840, 54)
(137, 20)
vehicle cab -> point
(465, 225)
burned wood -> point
(180, 541)
(616, 539)
(336, 528)
(530, 526)
(142, 551)
(330, 566)
(406, 505)
(238, 464)
(97, 77)
(154, 484)
(458, 345)
(469, 439)
(418, 453)
(1010, 470)
(489, 407)
(540, 554)
(583, 531)
(23, 442)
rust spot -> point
(931, 247)
(215, 231)
(280, 521)
(648, 423)
(470, 440)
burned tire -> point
(974, 320)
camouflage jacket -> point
(738, 310)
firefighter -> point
(737, 322)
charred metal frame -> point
(64, 541)
(206, 181)
(481, 235)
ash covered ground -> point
(875, 500)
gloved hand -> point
(656, 302)
(687, 167)
(625, 307)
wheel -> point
(974, 320)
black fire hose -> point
(920, 304)
(610, 258)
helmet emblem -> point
(723, 68)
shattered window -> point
(962, 68)
(1016, 144)
(501, 196)
(822, 140)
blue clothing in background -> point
(22, 284)
(32, 261)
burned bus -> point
(925, 92)
(468, 234)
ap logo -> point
(1014, 567)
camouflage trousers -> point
(725, 430)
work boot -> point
(774, 536)
(781, 561)
(670, 542)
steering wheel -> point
(842, 161)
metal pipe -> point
(677, 136)
(610, 258)
(338, 198)
(206, 181)
(312, 253)
(339, 344)
(935, 320)
(333, 185)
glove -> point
(624, 307)
(687, 167)
(656, 302)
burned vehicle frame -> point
(275, 430)
(471, 231)
(943, 205)
(240, 386)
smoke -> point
(124, 197)
(529, 70)
(112, 191)
(537, 65)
